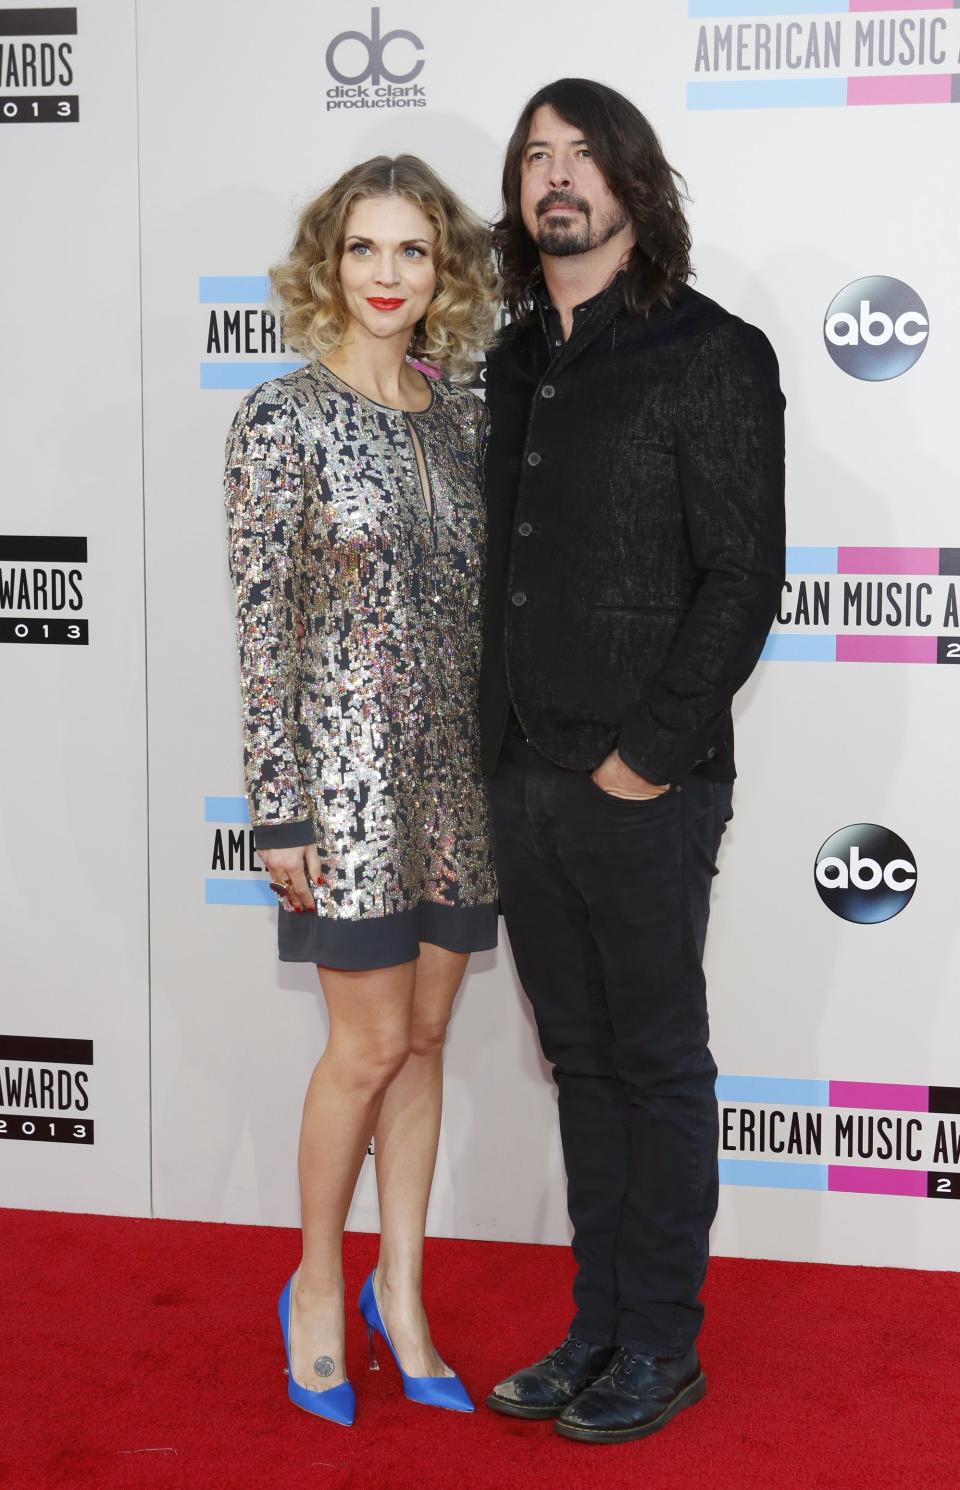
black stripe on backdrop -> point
(46, 1050)
(58, 20)
(17, 548)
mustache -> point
(561, 199)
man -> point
(636, 541)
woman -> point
(355, 517)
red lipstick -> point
(379, 303)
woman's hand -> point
(300, 866)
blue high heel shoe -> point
(338, 1403)
(432, 1391)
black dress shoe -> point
(636, 1395)
(544, 1389)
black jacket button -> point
(533, 459)
(525, 529)
(547, 391)
(518, 597)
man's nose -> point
(560, 176)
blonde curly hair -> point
(460, 319)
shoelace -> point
(567, 1352)
(624, 1362)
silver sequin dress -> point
(366, 739)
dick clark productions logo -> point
(374, 48)
(865, 873)
(876, 328)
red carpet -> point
(142, 1354)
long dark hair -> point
(631, 159)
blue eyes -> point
(410, 251)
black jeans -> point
(606, 904)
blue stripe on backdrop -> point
(811, 560)
(769, 1175)
(225, 810)
(234, 289)
(705, 9)
(243, 374)
(787, 647)
(768, 93)
(238, 892)
(793, 1091)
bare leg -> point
(406, 1154)
(370, 1017)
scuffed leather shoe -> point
(636, 1395)
(545, 1389)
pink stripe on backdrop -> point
(920, 88)
(886, 649)
(876, 1181)
(888, 561)
(890, 1095)
(901, 4)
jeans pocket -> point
(627, 801)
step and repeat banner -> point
(74, 1002)
(816, 139)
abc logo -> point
(375, 47)
(876, 328)
(865, 873)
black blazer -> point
(634, 487)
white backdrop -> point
(73, 849)
(805, 179)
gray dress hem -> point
(384, 941)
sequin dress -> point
(366, 523)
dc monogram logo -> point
(876, 328)
(375, 46)
(865, 873)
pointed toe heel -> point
(432, 1391)
(337, 1404)
(371, 1348)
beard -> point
(562, 237)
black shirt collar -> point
(550, 316)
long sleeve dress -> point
(366, 524)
